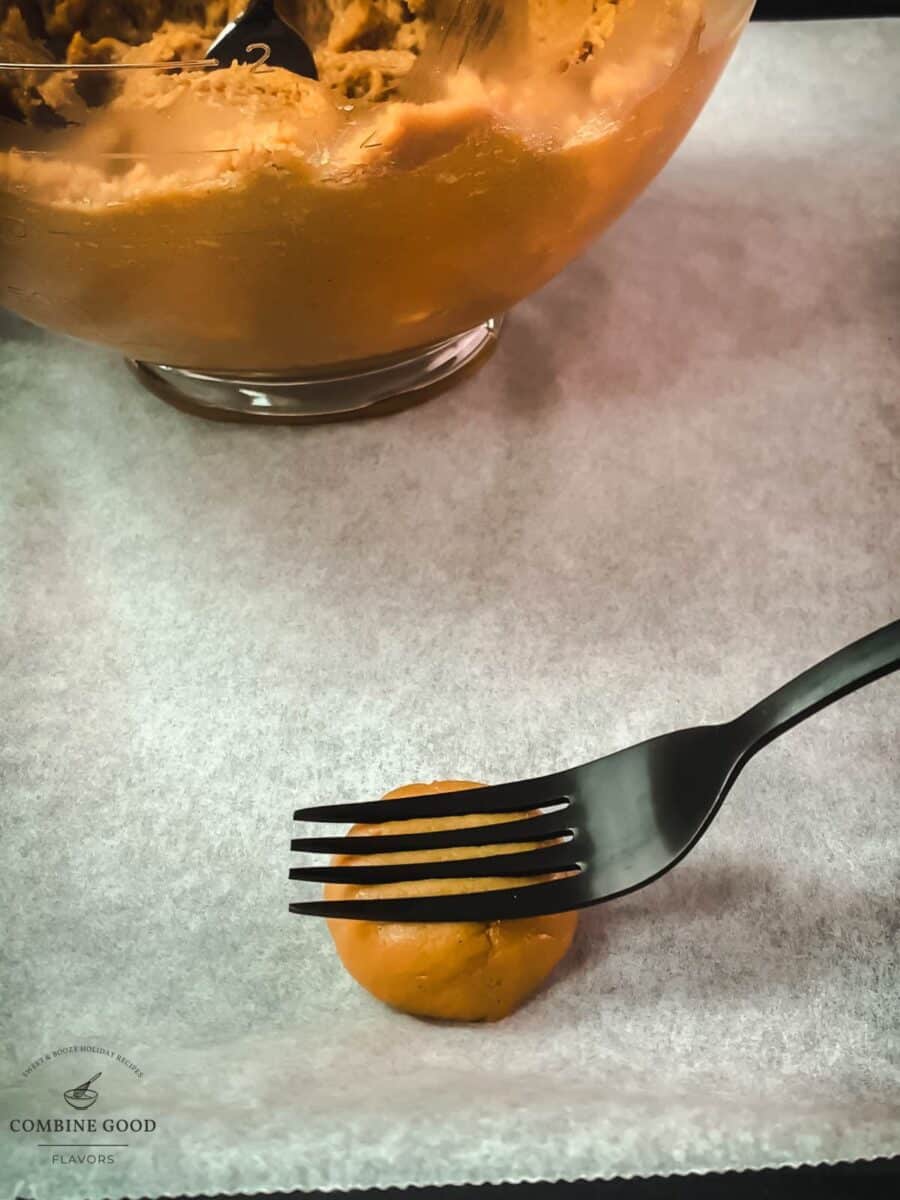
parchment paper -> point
(675, 485)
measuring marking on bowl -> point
(203, 64)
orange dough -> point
(474, 971)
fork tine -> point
(504, 797)
(506, 904)
(553, 857)
(531, 829)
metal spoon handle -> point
(259, 30)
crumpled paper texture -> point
(675, 485)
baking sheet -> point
(676, 484)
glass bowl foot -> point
(386, 386)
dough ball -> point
(472, 971)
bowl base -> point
(391, 385)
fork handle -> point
(863, 662)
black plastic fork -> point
(611, 826)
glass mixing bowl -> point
(266, 246)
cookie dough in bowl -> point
(249, 225)
(470, 971)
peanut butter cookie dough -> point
(468, 971)
(248, 220)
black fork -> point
(612, 826)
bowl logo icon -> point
(84, 1095)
